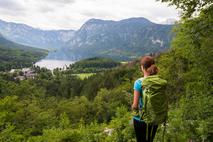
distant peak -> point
(136, 19)
(97, 21)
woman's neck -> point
(145, 74)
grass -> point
(84, 75)
(124, 62)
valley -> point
(121, 40)
(83, 87)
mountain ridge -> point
(123, 39)
(30, 36)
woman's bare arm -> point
(136, 99)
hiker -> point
(150, 104)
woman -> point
(144, 132)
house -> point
(25, 73)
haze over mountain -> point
(26, 35)
(125, 39)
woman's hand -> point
(135, 111)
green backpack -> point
(155, 100)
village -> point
(24, 73)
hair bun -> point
(153, 69)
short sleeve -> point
(137, 86)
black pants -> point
(141, 130)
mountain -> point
(13, 55)
(125, 39)
(120, 40)
(26, 35)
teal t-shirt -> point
(138, 87)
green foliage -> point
(61, 107)
(10, 135)
(13, 55)
(107, 100)
(92, 65)
(122, 126)
(84, 75)
(189, 7)
(188, 69)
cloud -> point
(71, 14)
(45, 9)
(11, 4)
(61, 1)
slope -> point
(13, 55)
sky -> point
(71, 14)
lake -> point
(53, 64)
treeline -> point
(64, 108)
(92, 65)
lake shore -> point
(53, 64)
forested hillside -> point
(64, 108)
(188, 67)
(92, 65)
(13, 55)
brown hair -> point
(148, 64)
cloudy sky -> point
(71, 14)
